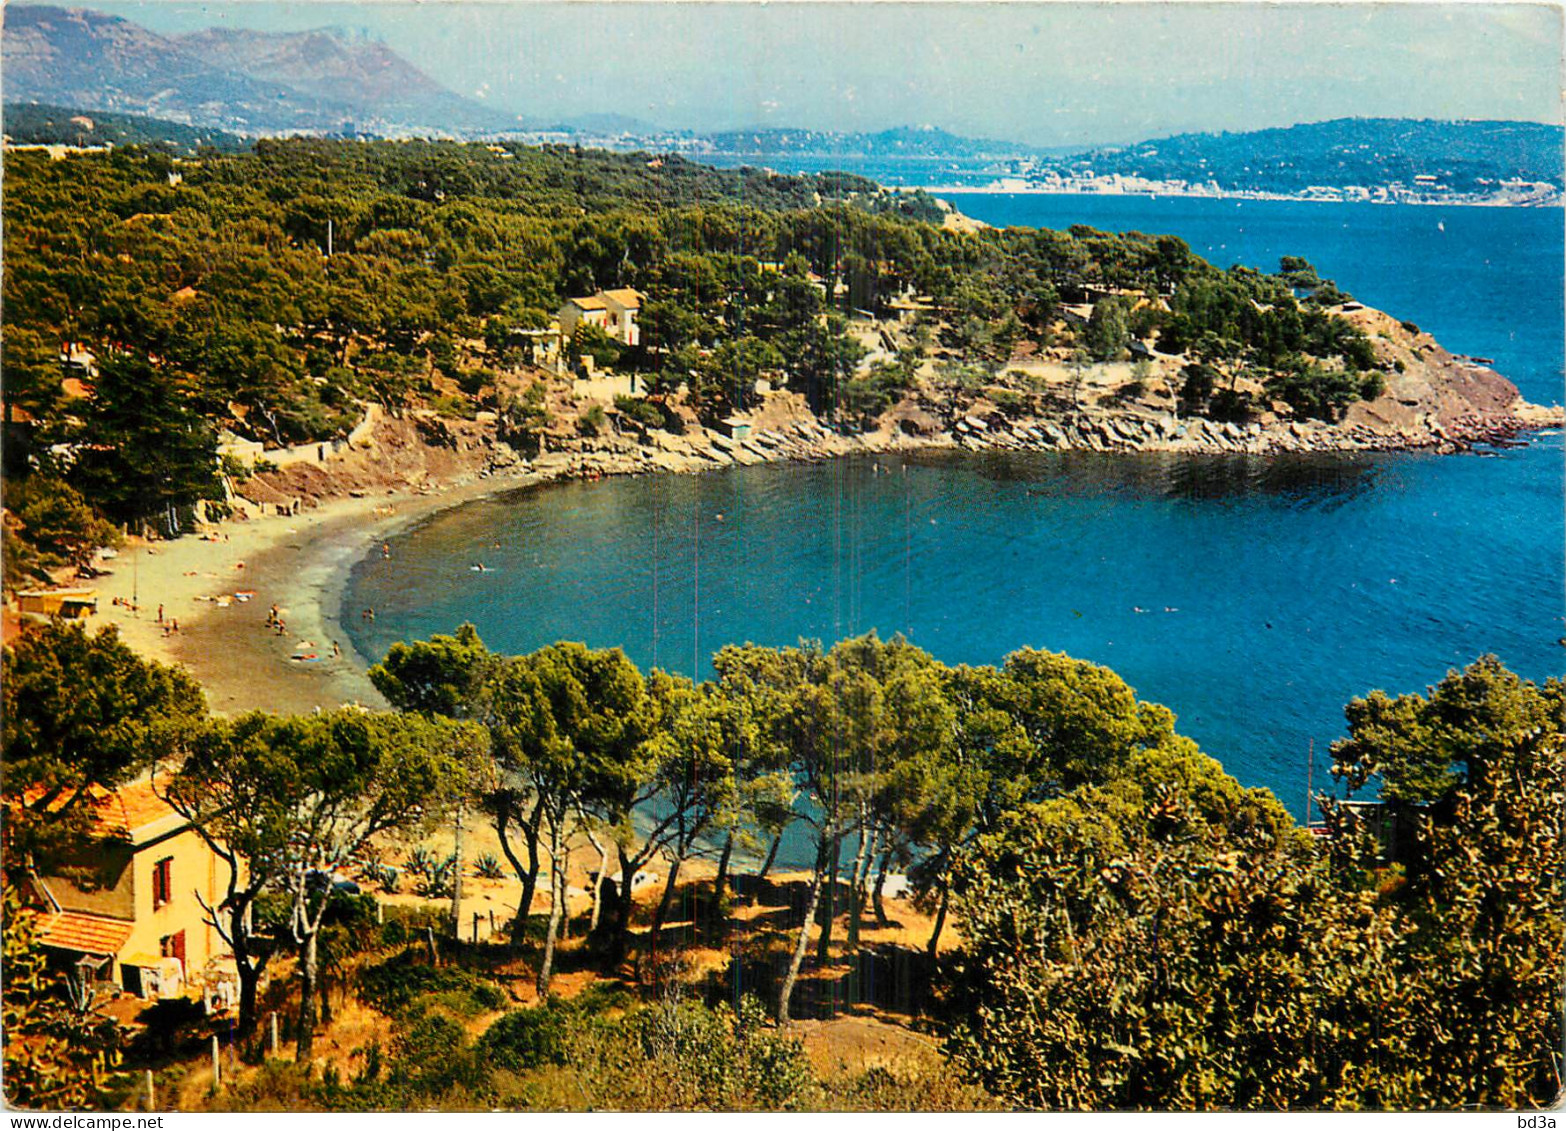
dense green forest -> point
(205, 291)
(36, 123)
(1135, 930)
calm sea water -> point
(1252, 596)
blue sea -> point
(1253, 596)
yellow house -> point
(127, 909)
(614, 312)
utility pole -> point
(456, 878)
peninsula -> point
(551, 815)
(297, 348)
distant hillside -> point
(38, 124)
(347, 69)
(607, 123)
(905, 141)
(245, 82)
(1467, 157)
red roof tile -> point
(122, 811)
(90, 934)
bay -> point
(1252, 596)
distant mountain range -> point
(244, 81)
(75, 62)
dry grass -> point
(852, 1021)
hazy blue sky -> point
(1050, 73)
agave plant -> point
(488, 867)
(438, 878)
(420, 860)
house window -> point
(173, 946)
(162, 882)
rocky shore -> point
(1432, 400)
(804, 440)
(297, 530)
(399, 455)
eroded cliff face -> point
(1432, 394)
(1433, 399)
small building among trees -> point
(126, 907)
(72, 604)
(614, 312)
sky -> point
(1041, 73)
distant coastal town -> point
(1424, 189)
(510, 607)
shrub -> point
(642, 411)
(455, 407)
(169, 1023)
(592, 422)
(488, 867)
(525, 1039)
(711, 1058)
(472, 381)
(1010, 402)
(775, 1070)
(394, 985)
(430, 1060)
(414, 919)
(909, 1087)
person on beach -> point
(160, 614)
(336, 651)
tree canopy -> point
(82, 713)
(1124, 951)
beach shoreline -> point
(300, 563)
(220, 586)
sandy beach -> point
(220, 587)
